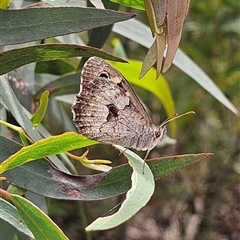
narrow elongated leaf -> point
(161, 43)
(38, 222)
(27, 25)
(142, 189)
(159, 7)
(47, 179)
(42, 178)
(151, 16)
(156, 12)
(15, 58)
(46, 147)
(149, 60)
(10, 214)
(176, 14)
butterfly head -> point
(160, 133)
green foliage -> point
(213, 43)
(46, 147)
(52, 23)
(39, 223)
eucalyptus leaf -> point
(43, 178)
(142, 189)
(17, 24)
(46, 147)
(38, 222)
(149, 60)
(16, 109)
(176, 14)
(15, 58)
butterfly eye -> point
(157, 133)
(104, 75)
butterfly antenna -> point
(175, 116)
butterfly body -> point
(107, 109)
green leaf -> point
(42, 178)
(160, 46)
(154, 55)
(158, 87)
(38, 222)
(46, 147)
(40, 112)
(15, 58)
(27, 25)
(156, 13)
(4, 4)
(46, 178)
(149, 60)
(10, 214)
(138, 4)
(142, 189)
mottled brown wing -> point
(107, 109)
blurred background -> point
(202, 200)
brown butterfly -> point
(107, 109)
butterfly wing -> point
(107, 109)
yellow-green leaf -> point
(42, 227)
(40, 112)
(46, 147)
